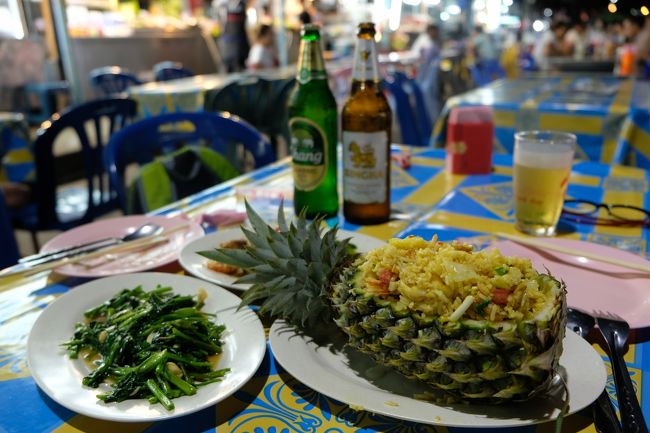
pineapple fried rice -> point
(452, 282)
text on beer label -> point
(309, 153)
(365, 166)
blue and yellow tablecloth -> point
(431, 201)
(16, 157)
(188, 94)
(594, 107)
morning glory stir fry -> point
(151, 345)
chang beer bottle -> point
(366, 123)
(313, 126)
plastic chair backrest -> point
(165, 71)
(412, 114)
(102, 113)
(261, 102)
(486, 71)
(9, 251)
(527, 62)
(112, 81)
(142, 141)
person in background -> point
(266, 17)
(234, 41)
(613, 39)
(577, 41)
(427, 44)
(484, 46)
(597, 39)
(642, 47)
(511, 52)
(633, 55)
(262, 55)
(304, 17)
(551, 44)
(427, 48)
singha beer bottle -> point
(313, 126)
(366, 123)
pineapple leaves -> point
(289, 268)
(230, 256)
(282, 221)
(259, 226)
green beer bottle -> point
(313, 126)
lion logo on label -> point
(362, 158)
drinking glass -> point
(542, 165)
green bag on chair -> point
(175, 176)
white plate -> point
(196, 264)
(60, 377)
(355, 379)
(124, 262)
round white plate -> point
(196, 264)
(355, 379)
(124, 262)
(60, 377)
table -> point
(16, 158)
(450, 205)
(570, 64)
(594, 107)
(188, 94)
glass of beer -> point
(543, 162)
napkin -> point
(223, 217)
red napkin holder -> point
(470, 136)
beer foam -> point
(556, 156)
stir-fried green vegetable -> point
(153, 345)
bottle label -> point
(309, 153)
(365, 63)
(365, 166)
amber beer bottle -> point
(366, 122)
(313, 127)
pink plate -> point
(127, 262)
(593, 286)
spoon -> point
(143, 231)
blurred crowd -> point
(624, 43)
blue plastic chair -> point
(486, 71)
(165, 71)
(9, 251)
(62, 208)
(46, 94)
(412, 113)
(527, 62)
(261, 102)
(112, 81)
(142, 141)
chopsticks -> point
(124, 247)
(534, 242)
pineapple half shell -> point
(462, 361)
(311, 279)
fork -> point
(615, 333)
(605, 419)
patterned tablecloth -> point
(188, 94)
(16, 158)
(451, 206)
(593, 107)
